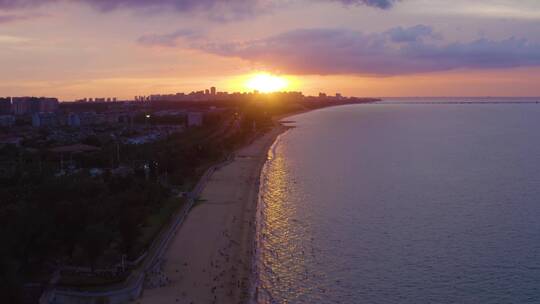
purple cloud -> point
(218, 10)
(106, 5)
(394, 52)
(13, 4)
(384, 4)
(238, 6)
(412, 34)
(9, 18)
(168, 40)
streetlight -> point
(147, 119)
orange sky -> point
(77, 49)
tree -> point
(95, 239)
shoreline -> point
(211, 259)
(257, 229)
(252, 275)
(219, 263)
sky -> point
(73, 49)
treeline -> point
(73, 219)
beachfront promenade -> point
(185, 263)
(132, 288)
(209, 260)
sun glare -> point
(267, 83)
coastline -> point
(211, 258)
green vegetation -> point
(92, 221)
(155, 222)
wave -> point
(258, 292)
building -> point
(213, 91)
(194, 119)
(91, 118)
(5, 105)
(32, 105)
(126, 118)
(41, 120)
(73, 120)
(48, 105)
(88, 118)
(7, 121)
(142, 98)
(20, 107)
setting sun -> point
(266, 83)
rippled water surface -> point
(392, 203)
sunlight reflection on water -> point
(403, 204)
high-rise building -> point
(213, 91)
(48, 105)
(5, 105)
(21, 106)
(7, 120)
(73, 120)
(40, 120)
(31, 105)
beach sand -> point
(210, 258)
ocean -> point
(403, 201)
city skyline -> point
(75, 49)
(257, 85)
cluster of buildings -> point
(326, 96)
(213, 95)
(203, 95)
(32, 105)
(69, 123)
(36, 123)
(81, 119)
(210, 94)
(102, 99)
(45, 112)
(10, 107)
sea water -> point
(399, 202)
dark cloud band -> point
(384, 4)
(10, 18)
(394, 52)
(179, 4)
(183, 5)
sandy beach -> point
(210, 258)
